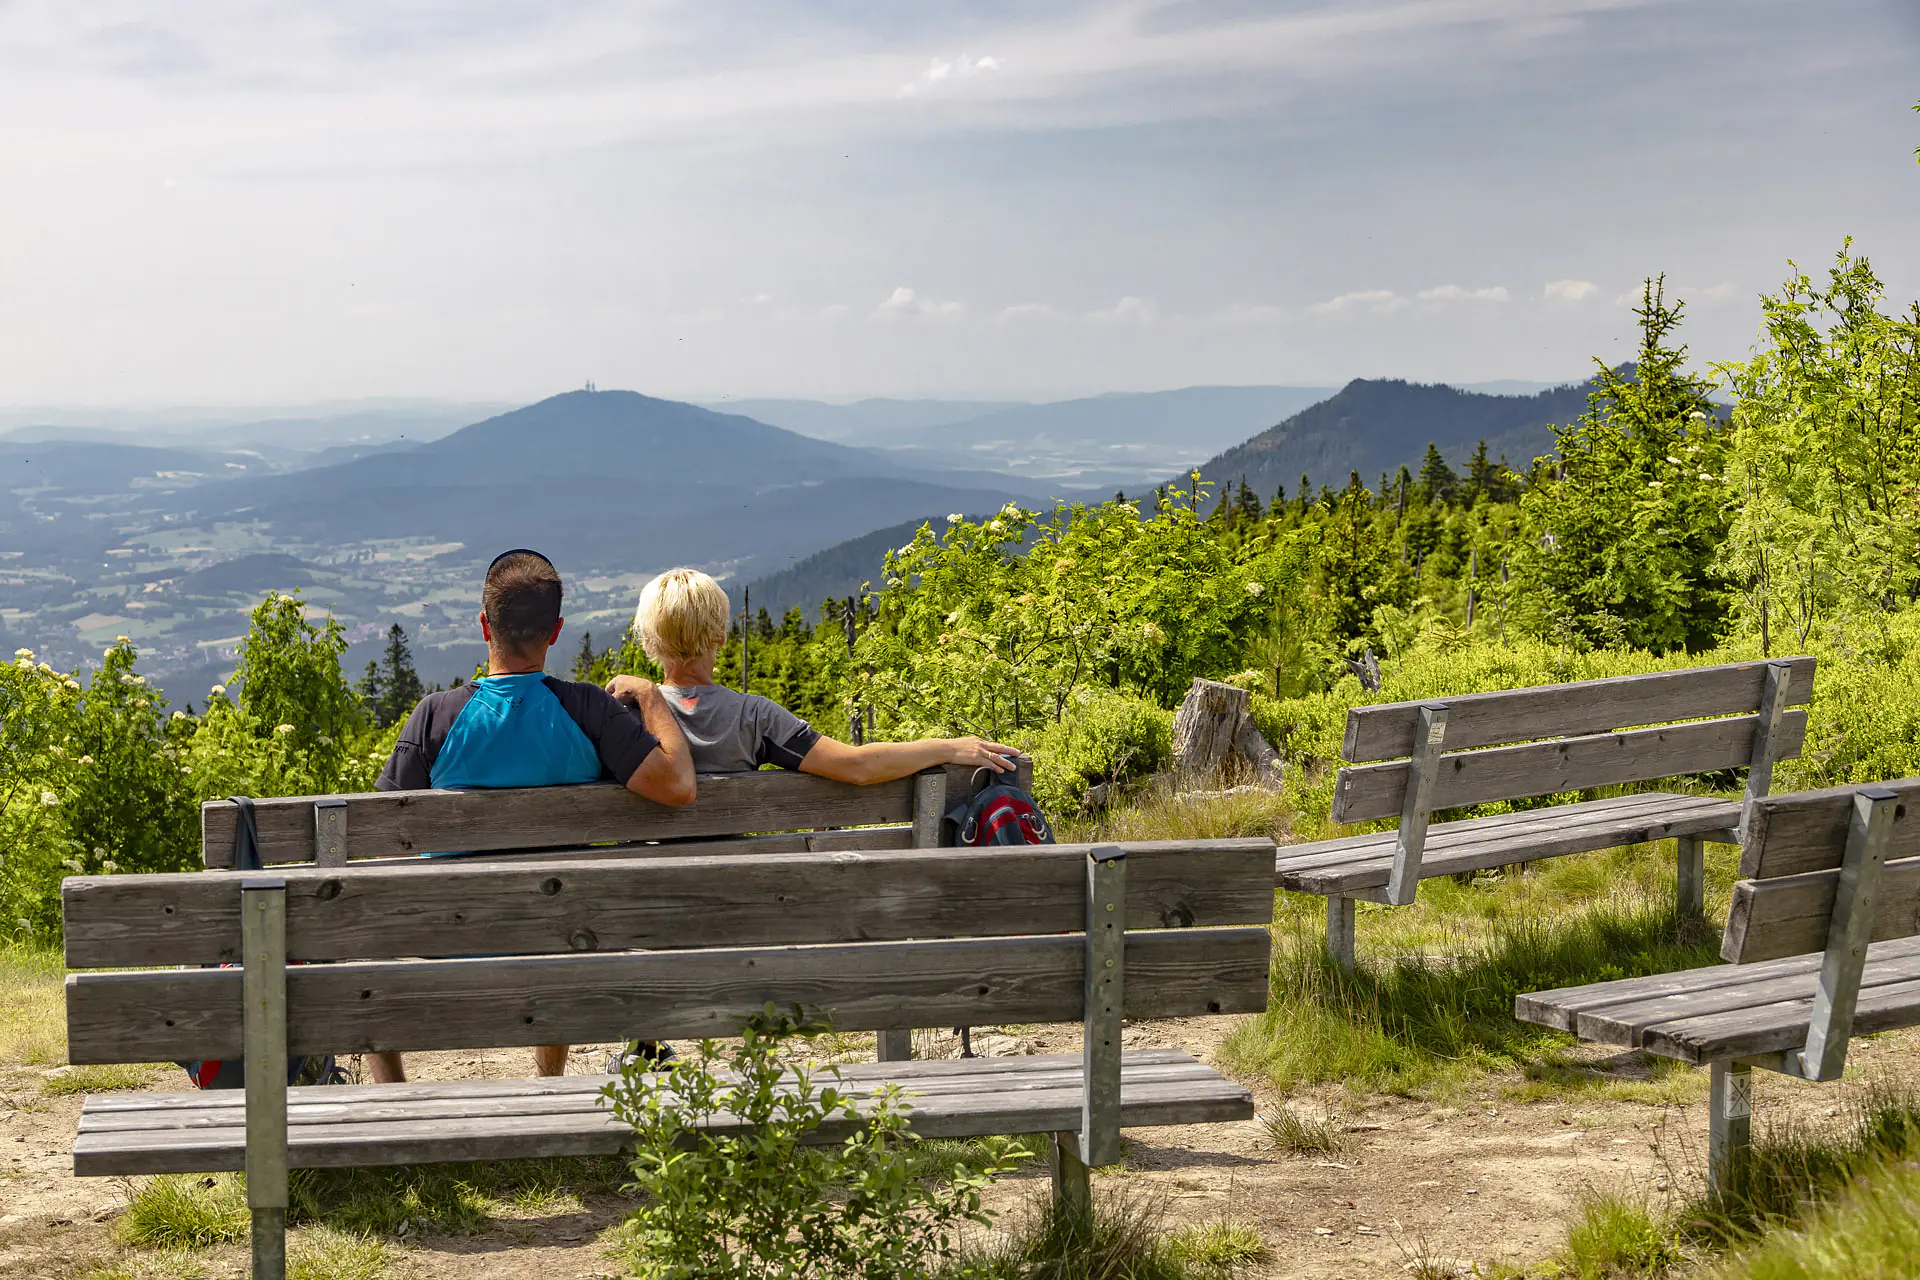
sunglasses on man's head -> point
(517, 551)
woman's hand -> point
(979, 752)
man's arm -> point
(666, 775)
(885, 761)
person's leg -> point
(550, 1059)
(386, 1068)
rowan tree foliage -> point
(992, 627)
(289, 674)
(1825, 458)
(1625, 532)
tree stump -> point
(1214, 736)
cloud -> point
(1247, 314)
(904, 303)
(1129, 310)
(941, 70)
(1383, 301)
(1454, 293)
(1031, 311)
(1570, 290)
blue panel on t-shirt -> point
(514, 733)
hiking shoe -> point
(653, 1053)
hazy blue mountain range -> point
(299, 430)
(870, 422)
(1096, 441)
(1376, 425)
(605, 479)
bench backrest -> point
(881, 940)
(1795, 862)
(1828, 872)
(334, 830)
(1597, 733)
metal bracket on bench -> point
(1105, 1003)
(1855, 904)
(330, 832)
(1429, 738)
(1766, 738)
(263, 955)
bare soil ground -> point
(1493, 1174)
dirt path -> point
(1485, 1177)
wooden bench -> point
(1820, 944)
(1406, 759)
(879, 940)
(793, 812)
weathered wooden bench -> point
(1406, 759)
(791, 812)
(1836, 869)
(588, 950)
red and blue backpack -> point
(1000, 814)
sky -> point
(240, 201)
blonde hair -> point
(682, 616)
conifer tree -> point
(1438, 483)
(395, 685)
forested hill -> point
(838, 571)
(1377, 425)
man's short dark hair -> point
(521, 600)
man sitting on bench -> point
(519, 727)
(681, 623)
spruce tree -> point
(1438, 483)
(584, 660)
(397, 686)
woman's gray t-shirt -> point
(734, 732)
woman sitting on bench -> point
(681, 624)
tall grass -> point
(33, 1015)
(1407, 1022)
(1872, 1229)
(1128, 1239)
(1778, 1224)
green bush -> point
(1104, 739)
(768, 1198)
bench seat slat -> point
(101, 1104)
(1157, 1092)
(175, 1015)
(1499, 826)
(1372, 791)
(1729, 1011)
(442, 907)
(1508, 838)
(1385, 731)
(338, 1106)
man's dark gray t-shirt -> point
(733, 732)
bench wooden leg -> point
(1730, 1125)
(1340, 932)
(1690, 853)
(263, 953)
(896, 1046)
(1072, 1186)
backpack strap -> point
(246, 837)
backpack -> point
(217, 1073)
(1000, 814)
